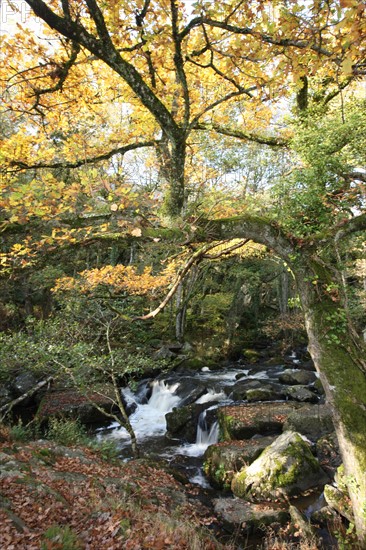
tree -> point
(223, 68)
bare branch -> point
(98, 158)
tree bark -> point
(338, 359)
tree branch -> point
(98, 158)
(240, 134)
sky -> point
(13, 12)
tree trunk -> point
(339, 360)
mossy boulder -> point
(223, 460)
(287, 467)
(337, 496)
(246, 420)
(182, 422)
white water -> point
(205, 436)
(149, 420)
(211, 395)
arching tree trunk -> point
(338, 354)
(339, 359)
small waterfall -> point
(162, 397)
(206, 436)
(148, 420)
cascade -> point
(206, 435)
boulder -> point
(266, 393)
(249, 419)
(69, 403)
(301, 393)
(297, 376)
(287, 467)
(23, 383)
(182, 422)
(248, 517)
(314, 421)
(223, 460)
(337, 497)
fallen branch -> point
(8, 406)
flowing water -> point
(154, 399)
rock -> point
(164, 353)
(327, 451)
(247, 516)
(301, 524)
(287, 467)
(5, 395)
(22, 384)
(318, 387)
(264, 394)
(246, 420)
(339, 501)
(297, 376)
(314, 421)
(182, 422)
(301, 393)
(323, 516)
(223, 460)
(70, 403)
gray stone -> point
(23, 383)
(287, 467)
(301, 393)
(248, 517)
(313, 421)
(297, 376)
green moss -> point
(226, 423)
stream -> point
(204, 391)
(153, 399)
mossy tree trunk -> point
(338, 356)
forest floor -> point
(54, 497)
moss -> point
(226, 423)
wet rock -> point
(287, 467)
(223, 460)
(318, 387)
(301, 393)
(297, 376)
(182, 422)
(247, 516)
(246, 420)
(264, 394)
(23, 383)
(314, 421)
